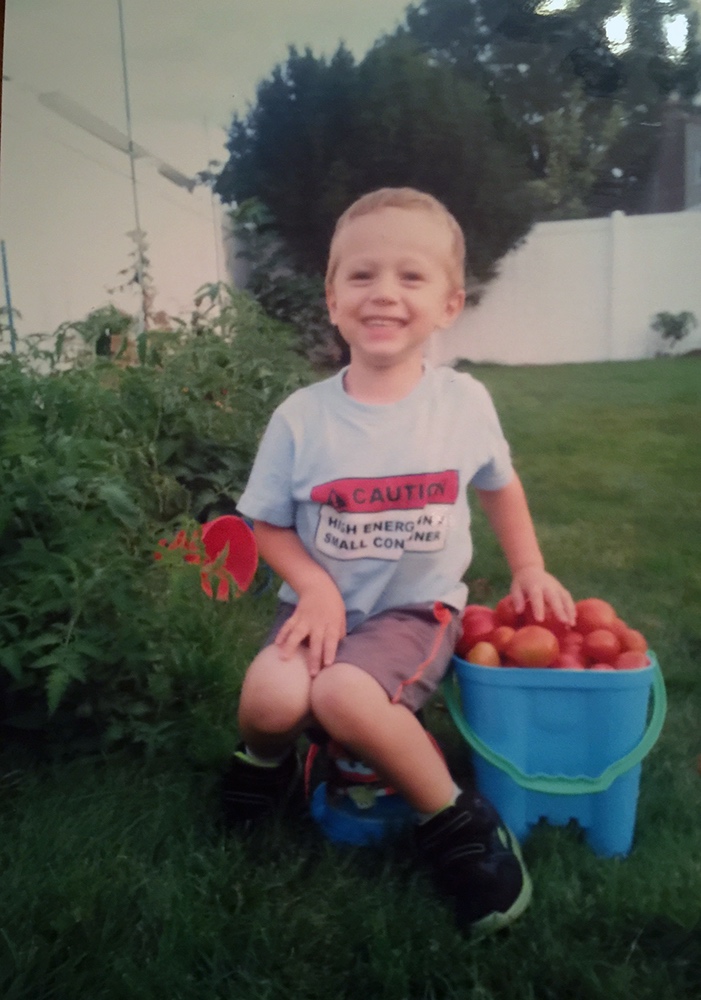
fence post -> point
(619, 259)
(8, 299)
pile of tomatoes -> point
(599, 639)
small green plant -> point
(138, 273)
(100, 325)
(674, 327)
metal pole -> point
(139, 234)
(8, 300)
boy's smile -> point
(391, 288)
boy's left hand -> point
(540, 589)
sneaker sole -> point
(497, 921)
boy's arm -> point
(508, 514)
(320, 616)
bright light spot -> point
(676, 29)
(550, 6)
(617, 172)
(617, 31)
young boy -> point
(358, 494)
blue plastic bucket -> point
(560, 745)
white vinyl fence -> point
(584, 290)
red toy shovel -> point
(241, 559)
(228, 537)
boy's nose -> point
(384, 290)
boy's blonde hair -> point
(409, 198)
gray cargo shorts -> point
(406, 649)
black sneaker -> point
(250, 792)
(476, 861)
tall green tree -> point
(323, 132)
(588, 109)
(288, 151)
(655, 77)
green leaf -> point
(57, 684)
(39, 641)
(9, 658)
(120, 504)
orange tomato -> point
(502, 636)
(485, 654)
(533, 646)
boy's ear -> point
(331, 303)
(454, 305)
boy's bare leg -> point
(354, 709)
(274, 707)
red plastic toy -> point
(228, 537)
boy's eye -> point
(412, 276)
(360, 276)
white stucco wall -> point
(66, 206)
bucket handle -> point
(555, 784)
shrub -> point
(285, 292)
(97, 463)
(674, 327)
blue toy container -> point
(560, 744)
(343, 822)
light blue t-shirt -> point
(378, 493)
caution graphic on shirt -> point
(380, 518)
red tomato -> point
(533, 646)
(631, 659)
(618, 627)
(593, 613)
(485, 654)
(601, 645)
(506, 612)
(634, 641)
(549, 621)
(477, 626)
(568, 661)
(476, 609)
(572, 641)
(601, 666)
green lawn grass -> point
(117, 883)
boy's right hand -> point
(319, 620)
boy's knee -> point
(275, 695)
(340, 691)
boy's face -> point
(391, 288)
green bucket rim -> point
(560, 784)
